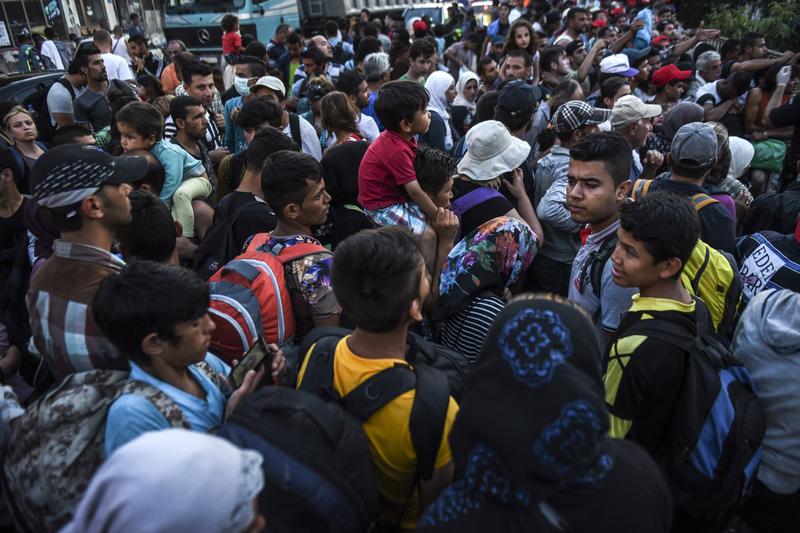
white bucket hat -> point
(492, 151)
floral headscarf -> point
(489, 259)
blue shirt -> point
(234, 134)
(178, 165)
(370, 110)
(132, 415)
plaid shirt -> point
(64, 332)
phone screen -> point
(256, 356)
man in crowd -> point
(92, 106)
(709, 68)
(578, 23)
(420, 56)
(61, 95)
(116, 67)
(354, 85)
(276, 46)
(246, 69)
(518, 65)
(376, 70)
(633, 119)
(142, 59)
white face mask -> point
(240, 84)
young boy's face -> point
(420, 122)
(633, 265)
(421, 65)
(443, 197)
(315, 204)
(130, 139)
(194, 338)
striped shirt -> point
(467, 329)
(63, 329)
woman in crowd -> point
(338, 118)
(559, 470)
(465, 103)
(20, 127)
(477, 280)
(171, 481)
(441, 89)
(612, 90)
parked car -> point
(20, 86)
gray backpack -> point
(58, 444)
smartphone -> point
(256, 356)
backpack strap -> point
(474, 197)
(640, 188)
(598, 260)
(68, 86)
(216, 379)
(165, 405)
(700, 271)
(287, 254)
(294, 128)
(701, 200)
(318, 377)
(374, 393)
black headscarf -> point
(530, 442)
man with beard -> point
(578, 23)
(86, 192)
(92, 106)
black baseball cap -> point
(518, 97)
(67, 174)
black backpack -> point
(714, 440)
(294, 129)
(433, 372)
(318, 475)
(774, 211)
(218, 246)
(340, 55)
(37, 103)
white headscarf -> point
(742, 153)
(437, 85)
(461, 100)
(172, 481)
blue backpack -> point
(714, 443)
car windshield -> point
(199, 6)
(433, 13)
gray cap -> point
(694, 145)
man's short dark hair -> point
(134, 16)
(314, 54)
(526, 57)
(513, 120)
(81, 59)
(434, 168)
(398, 101)
(294, 38)
(575, 11)
(259, 112)
(331, 28)
(69, 134)
(257, 50)
(366, 46)
(484, 109)
(140, 40)
(608, 147)
(151, 233)
(421, 47)
(266, 142)
(147, 297)
(194, 68)
(143, 118)
(665, 223)
(729, 46)
(256, 65)
(179, 106)
(565, 89)
(155, 171)
(50, 32)
(284, 178)
(7, 161)
(348, 82)
(101, 36)
(550, 55)
(749, 39)
(376, 276)
(482, 64)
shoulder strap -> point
(475, 197)
(374, 393)
(224, 207)
(294, 128)
(67, 85)
(161, 401)
(665, 331)
(599, 260)
(318, 378)
(428, 416)
(701, 200)
(296, 251)
(700, 271)
(640, 188)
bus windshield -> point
(195, 6)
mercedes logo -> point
(203, 36)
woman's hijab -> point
(488, 260)
(172, 481)
(461, 100)
(680, 115)
(437, 85)
(540, 369)
(742, 153)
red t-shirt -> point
(387, 165)
(231, 42)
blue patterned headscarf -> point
(533, 424)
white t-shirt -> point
(120, 47)
(309, 137)
(117, 68)
(709, 89)
(50, 51)
(368, 127)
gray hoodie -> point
(767, 342)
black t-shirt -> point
(12, 229)
(717, 226)
(258, 218)
(789, 115)
(481, 213)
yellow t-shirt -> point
(389, 437)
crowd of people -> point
(539, 275)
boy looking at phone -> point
(156, 316)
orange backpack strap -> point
(640, 188)
(256, 241)
(301, 249)
(701, 200)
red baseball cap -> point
(661, 39)
(419, 25)
(618, 11)
(668, 74)
(599, 23)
